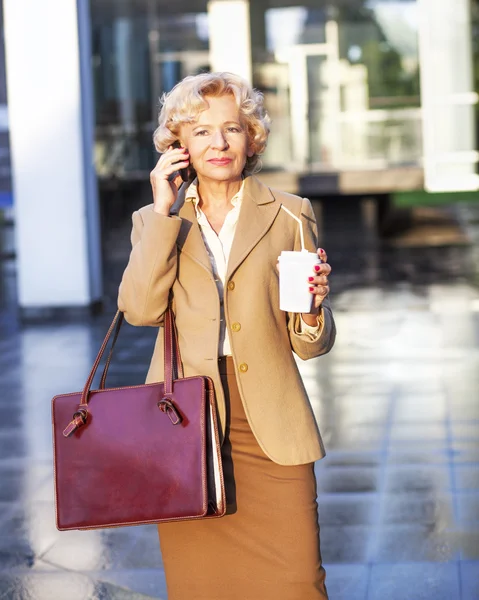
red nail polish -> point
(311, 289)
(317, 268)
(321, 251)
(310, 278)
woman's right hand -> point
(165, 191)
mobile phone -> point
(183, 172)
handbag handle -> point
(178, 364)
(173, 366)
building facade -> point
(353, 86)
(366, 97)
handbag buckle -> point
(167, 406)
(82, 413)
(79, 418)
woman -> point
(211, 248)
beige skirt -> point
(267, 546)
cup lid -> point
(298, 254)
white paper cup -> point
(294, 270)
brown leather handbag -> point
(141, 454)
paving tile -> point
(423, 432)
(44, 492)
(465, 431)
(6, 509)
(15, 554)
(341, 440)
(416, 389)
(108, 591)
(466, 477)
(363, 436)
(461, 411)
(6, 585)
(424, 408)
(372, 411)
(12, 444)
(347, 509)
(145, 553)
(347, 582)
(421, 581)
(415, 543)
(34, 524)
(43, 565)
(468, 507)
(417, 478)
(10, 416)
(349, 544)
(360, 391)
(20, 480)
(92, 550)
(465, 452)
(469, 573)
(421, 508)
(347, 479)
(350, 459)
(63, 586)
(467, 542)
(425, 454)
(150, 582)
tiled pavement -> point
(398, 405)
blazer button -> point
(236, 326)
(243, 367)
(231, 285)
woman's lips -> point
(220, 162)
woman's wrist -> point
(162, 210)
(311, 319)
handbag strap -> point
(178, 363)
(173, 366)
(110, 355)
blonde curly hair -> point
(187, 99)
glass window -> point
(140, 50)
(342, 85)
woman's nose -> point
(219, 141)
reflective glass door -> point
(140, 50)
(352, 78)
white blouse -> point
(218, 247)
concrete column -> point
(230, 37)
(447, 95)
(51, 115)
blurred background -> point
(374, 109)
(374, 106)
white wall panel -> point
(447, 95)
(50, 114)
(230, 37)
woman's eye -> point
(201, 132)
(234, 129)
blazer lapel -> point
(258, 211)
(189, 238)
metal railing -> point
(373, 139)
(376, 139)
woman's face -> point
(217, 141)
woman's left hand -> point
(319, 283)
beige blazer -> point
(168, 256)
